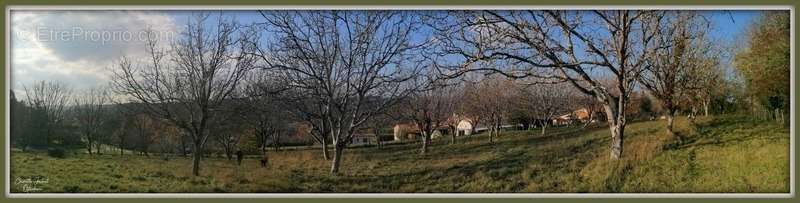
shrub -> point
(56, 152)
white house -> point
(404, 132)
(563, 119)
(464, 127)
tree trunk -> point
(197, 154)
(705, 107)
(263, 149)
(337, 158)
(670, 122)
(616, 124)
(777, 115)
(783, 115)
(89, 146)
(474, 128)
(325, 149)
(498, 127)
(183, 146)
(491, 134)
(616, 141)
(426, 140)
(544, 128)
(453, 134)
(377, 137)
(47, 136)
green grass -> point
(720, 154)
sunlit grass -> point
(721, 154)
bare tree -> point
(91, 114)
(344, 67)
(469, 108)
(121, 134)
(378, 122)
(579, 47)
(264, 110)
(488, 101)
(19, 125)
(227, 135)
(430, 109)
(710, 82)
(545, 101)
(187, 83)
(166, 137)
(143, 129)
(670, 72)
(48, 102)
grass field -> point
(720, 154)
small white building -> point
(403, 132)
(565, 119)
(464, 127)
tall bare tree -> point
(545, 101)
(48, 103)
(187, 83)
(265, 113)
(166, 137)
(468, 108)
(488, 101)
(579, 47)
(710, 82)
(671, 70)
(143, 130)
(344, 66)
(430, 109)
(91, 114)
(228, 135)
(377, 123)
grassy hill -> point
(718, 154)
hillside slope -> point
(721, 154)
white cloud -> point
(78, 47)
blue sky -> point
(83, 62)
(728, 25)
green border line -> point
(385, 3)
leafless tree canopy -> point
(430, 108)
(264, 103)
(488, 102)
(345, 66)
(187, 82)
(545, 101)
(337, 73)
(579, 47)
(49, 100)
(90, 112)
(671, 71)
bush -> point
(56, 152)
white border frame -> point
(7, 149)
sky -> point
(79, 48)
